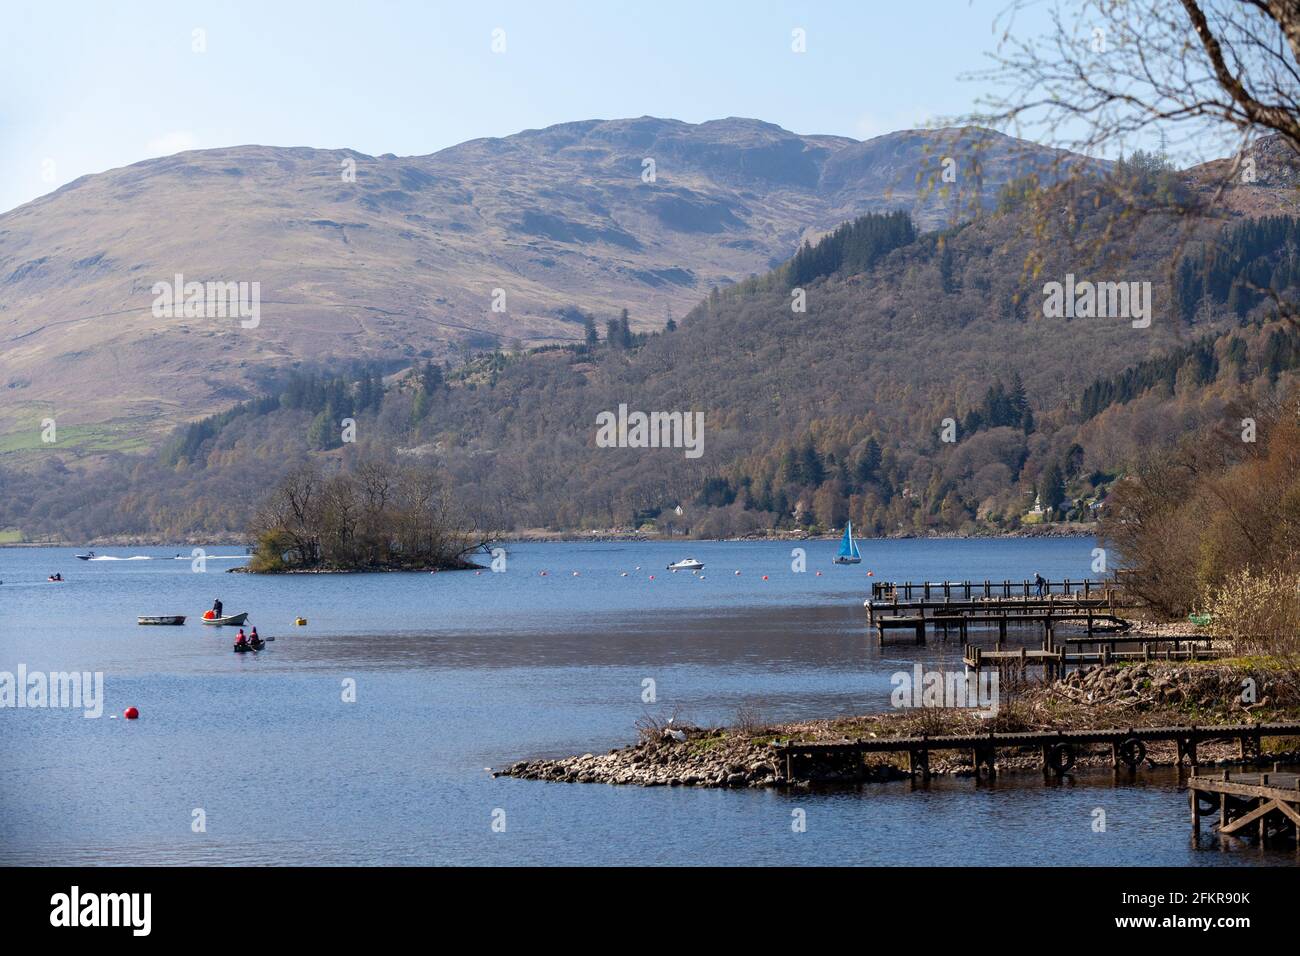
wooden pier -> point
(962, 605)
(1266, 803)
(1056, 659)
(903, 592)
(1059, 749)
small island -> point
(375, 516)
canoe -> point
(229, 619)
(161, 619)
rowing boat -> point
(239, 618)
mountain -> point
(926, 387)
(403, 263)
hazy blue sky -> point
(87, 86)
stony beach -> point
(1115, 696)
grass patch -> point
(705, 744)
(86, 438)
(11, 536)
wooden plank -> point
(1264, 809)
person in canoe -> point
(255, 642)
(241, 642)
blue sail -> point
(848, 553)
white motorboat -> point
(687, 564)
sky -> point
(90, 86)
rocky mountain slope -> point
(401, 260)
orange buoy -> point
(765, 577)
(871, 574)
(130, 713)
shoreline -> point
(1109, 697)
(539, 536)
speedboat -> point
(86, 557)
(687, 564)
(161, 619)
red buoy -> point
(130, 713)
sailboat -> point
(848, 553)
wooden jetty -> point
(1266, 803)
(1059, 749)
(961, 605)
(907, 591)
(1056, 659)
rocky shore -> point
(670, 753)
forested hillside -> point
(908, 381)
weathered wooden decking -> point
(962, 605)
(1059, 749)
(1266, 803)
(906, 591)
(1056, 659)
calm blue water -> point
(458, 672)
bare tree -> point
(1195, 80)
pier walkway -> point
(1059, 749)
